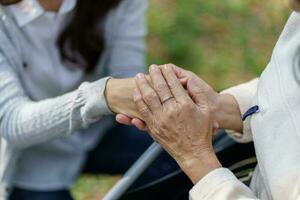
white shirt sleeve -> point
(221, 184)
(244, 95)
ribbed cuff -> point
(92, 96)
(211, 183)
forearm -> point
(200, 165)
(25, 122)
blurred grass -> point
(223, 41)
(93, 187)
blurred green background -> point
(224, 41)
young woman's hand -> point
(183, 123)
(119, 99)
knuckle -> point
(206, 111)
(171, 65)
(137, 99)
(143, 110)
(173, 84)
(160, 87)
(150, 96)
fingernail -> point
(166, 67)
(140, 75)
(153, 67)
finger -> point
(183, 81)
(148, 94)
(182, 74)
(139, 124)
(123, 119)
(196, 92)
(142, 107)
(174, 84)
(159, 83)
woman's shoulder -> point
(124, 19)
(129, 8)
(132, 4)
(127, 13)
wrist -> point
(228, 113)
(198, 167)
(110, 94)
(118, 95)
(118, 92)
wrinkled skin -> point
(183, 123)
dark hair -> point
(83, 35)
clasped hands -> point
(181, 112)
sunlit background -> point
(224, 41)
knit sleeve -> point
(221, 184)
(24, 122)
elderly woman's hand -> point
(182, 123)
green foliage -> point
(224, 41)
